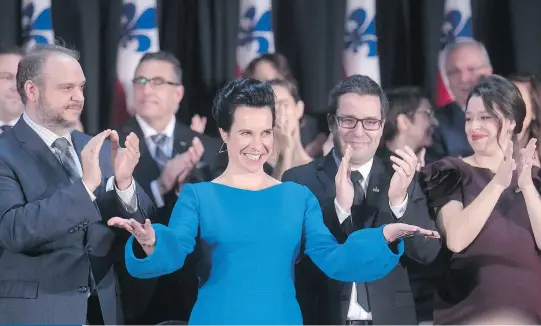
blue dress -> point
(251, 241)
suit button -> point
(72, 230)
(89, 248)
(85, 222)
(83, 289)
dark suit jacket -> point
(449, 139)
(326, 301)
(52, 234)
(170, 297)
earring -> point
(222, 150)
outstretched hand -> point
(143, 233)
(395, 231)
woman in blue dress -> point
(253, 228)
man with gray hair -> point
(465, 61)
(59, 187)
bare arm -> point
(533, 206)
(460, 225)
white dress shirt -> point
(127, 196)
(355, 311)
(148, 132)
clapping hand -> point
(505, 171)
(405, 165)
(395, 231)
(421, 158)
(344, 187)
(90, 160)
(198, 124)
(524, 166)
(143, 233)
(124, 159)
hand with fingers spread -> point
(124, 159)
(421, 158)
(524, 166)
(90, 160)
(344, 187)
(177, 169)
(405, 165)
(505, 171)
(143, 233)
(198, 124)
(395, 231)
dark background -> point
(202, 33)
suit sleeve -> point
(421, 249)
(364, 257)
(27, 226)
(110, 204)
(173, 243)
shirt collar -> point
(363, 169)
(9, 123)
(45, 134)
(148, 131)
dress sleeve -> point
(364, 257)
(173, 243)
(442, 182)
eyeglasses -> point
(156, 81)
(351, 123)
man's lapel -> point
(326, 170)
(46, 161)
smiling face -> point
(250, 139)
(483, 128)
(363, 141)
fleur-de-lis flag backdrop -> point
(209, 36)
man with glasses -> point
(370, 198)
(11, 106)
(171, 155)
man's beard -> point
(51, 119)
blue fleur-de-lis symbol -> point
(254, 31)
(454, 27)
(361, 31)
(130, 26)
(32, 28)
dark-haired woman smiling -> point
(252, 227)
(489, 212)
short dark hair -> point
(402, 100)
(32, 62)
(166, 57)
(289, 85)
(10, 49)
(500, 93)
(277, 60)
(241, 91)
(360, 85)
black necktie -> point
(357, 180)
(66, 159)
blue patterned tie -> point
(159, 155)
(66, 159)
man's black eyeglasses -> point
(351, 123)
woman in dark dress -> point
(488, 209)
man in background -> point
(11, 106)
(466, 61)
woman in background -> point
(252, 228)
(288, 150)
(488, 210)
